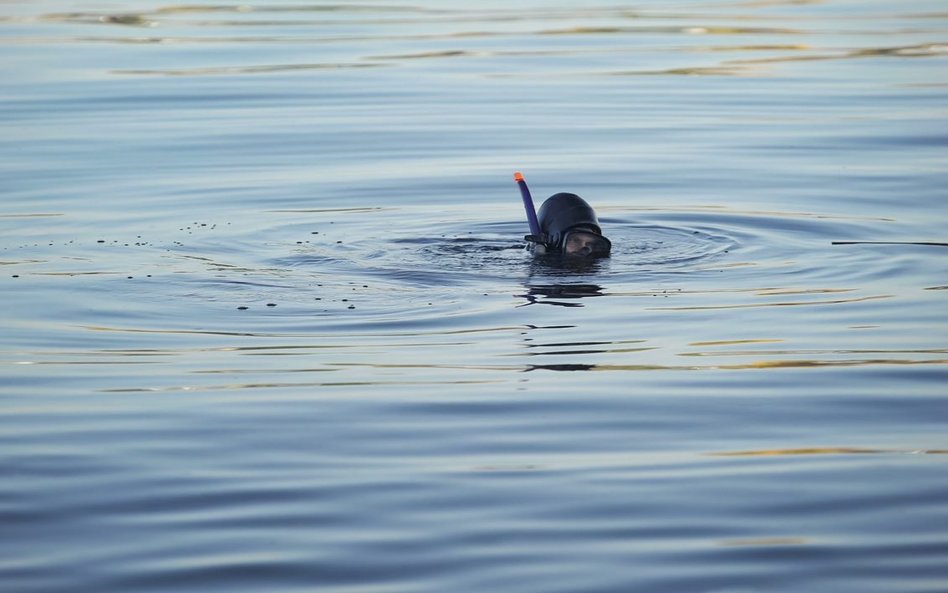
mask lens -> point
(585, 243)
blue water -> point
(268, 323)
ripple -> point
(491, 252)
(255, 69)
(827, 451)
(777, 304)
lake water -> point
(268, 323)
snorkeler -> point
(566, 224)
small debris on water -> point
(271, 304)
(242, 308)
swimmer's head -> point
(570, 227)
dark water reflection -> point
(269, 324)
(563, 295)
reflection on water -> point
(563, 295)
(268, 317)
(336, 24)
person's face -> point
(586, 244)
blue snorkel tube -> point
(535, 235)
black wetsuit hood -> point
(562, 213)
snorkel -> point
(535, 235)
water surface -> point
(269, 324)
